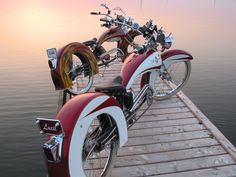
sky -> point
(30, 25)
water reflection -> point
(206, 28)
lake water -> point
(205, 28)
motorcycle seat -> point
(114, 87)
(91, 42)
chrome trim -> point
(169, 38)
(53, 149)
(52, 55)
(141, 95)
(114, 50)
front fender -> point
(175, 55)
(75, 117)
(60, 75)
(137, 64)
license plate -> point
(49, 126)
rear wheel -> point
(172, 79)
(98, 157)
(80, 73)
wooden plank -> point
(210, 126)
(168, 138)
(169, 146)
(174, 105)
(168, 105)
(169, 116)
(154, 112)
(169, 100)
(173, 166)
(164, 123)
(225, 171)
(153, 158)
(165, 130)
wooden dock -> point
(174, 139)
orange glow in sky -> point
(35, 25)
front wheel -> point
(171, 80)
(98, 158)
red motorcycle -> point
(73, 66)
(90, 127)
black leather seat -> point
(113, 88)
(90, 42)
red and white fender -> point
(58, 62)
(136, 64)
(174, 56)
(76, 117)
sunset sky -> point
(36, 24)
(204, 28)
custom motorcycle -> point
(73, 66)
(84, 136)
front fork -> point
(161, 73)
(152, 79)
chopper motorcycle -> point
(84, 136)
(73, 66)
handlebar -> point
(94, 13)
(104, 20)
(154, 37)
(153, 40)
(160, 38)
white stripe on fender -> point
(174, 59)
(92, 105)
(151, 61)
(80, 131)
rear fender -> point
(174, 56)
(75, 117)
(60, 75)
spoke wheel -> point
(81, 74)
(98, 159)
(172, 80)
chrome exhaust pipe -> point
(141, 96)
(112, 51)
(145, 95)
(53, 149)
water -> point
(205, 28)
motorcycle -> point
(84, 136)
(73, 67)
